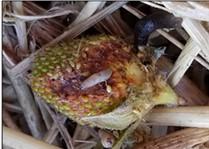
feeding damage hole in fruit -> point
(95, 84)
(29, 71)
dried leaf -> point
(86, 12)
(135, 107)
(58, 12)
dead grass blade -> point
(57, 13)
(53, 132)
(186, 138)
(12, 108)
(7, 119)
(9, 61)
(89, 9)
(23, 142)
(64, 132)
(29, 107)
(184, 9)
(45, 115)
(199, 34)
(153, 4)
(199, 41)
(9, 46)
(89, 144)
(114, 25)
(45, 30)
(31, 8)
(195, 116)
(183, 62)
(80, 133)
(26, 101)
(21, 32)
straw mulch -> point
(29, 27)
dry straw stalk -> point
(180, 116)
(186, 138)
(17, 140)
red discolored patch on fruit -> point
(96, 99)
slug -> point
(148, 24)
(96, 78)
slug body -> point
(148, 24)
